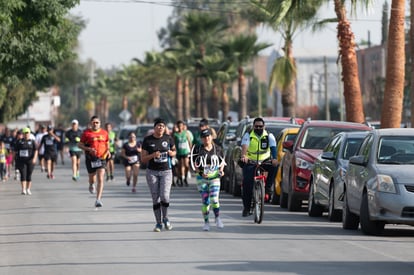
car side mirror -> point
(358, 160)
(288, 145)
(328, 155)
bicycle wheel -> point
(258, 197)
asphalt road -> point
(57, 230)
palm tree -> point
(286, 21)
(280, 10)
(352, 88)
(241, 49)
(153, 66)
(395, 75)
(200, 33)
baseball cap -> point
(26, 130)
(75, 121)
(49, 127)
(205, 133)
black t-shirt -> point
(202, 158)
(25, 149)
(131, 151)
(50, 144)
(152, 144)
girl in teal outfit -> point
(208, 162)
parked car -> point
(273, 125)
(122, 137)
(225, 136)
(300, 156)
(379, 186)
(142, 130)
(328, 175)
(284, 135)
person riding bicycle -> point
(258, 145)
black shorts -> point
(92, 165)
(75, 153)
(52, 157)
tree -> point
(201, 34)
(241, 49)
(287, 22)
(35, 37)
(395, 75)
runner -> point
(131, 152)
(95, 142)
(72, 139)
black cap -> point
(158, 121)
(205, 133)
(49, 127)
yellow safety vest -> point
(258, 149)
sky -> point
(119, 30)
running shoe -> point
(74, 178)
(98, 203)
(23, 192)
(167, 224)
(51, 176)
(91, 188)
(128, 183)
(219, 223)
(206, 226)
(134, 190)
(158, 227)
(112, 177)
(28, 192)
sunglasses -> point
(258, 126)
(95, 122)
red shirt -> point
(98, 140)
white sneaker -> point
(219, 223)
(23, 192)
(28, 192)
(206, 227)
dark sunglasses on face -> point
(258, 126)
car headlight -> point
(303, 164)
(385, 184)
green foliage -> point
(35, 37)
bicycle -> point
(258, 195)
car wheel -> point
(369, 226)
(334, 215)
(293, 204)
(314, 210)
(349, 220)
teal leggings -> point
(209, 190)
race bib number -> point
(163, 158)
(24, 153)
(183, 145)
(49, 142)
(132, 159)
(96, 163)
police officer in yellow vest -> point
(257, 145)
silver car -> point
(379, 184)
(328, 175)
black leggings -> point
(26, 169)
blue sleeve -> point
(273, 152)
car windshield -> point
(318, 137)
(396, 150)
(351, 147)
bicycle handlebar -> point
(258, 163)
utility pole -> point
(327, 112)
